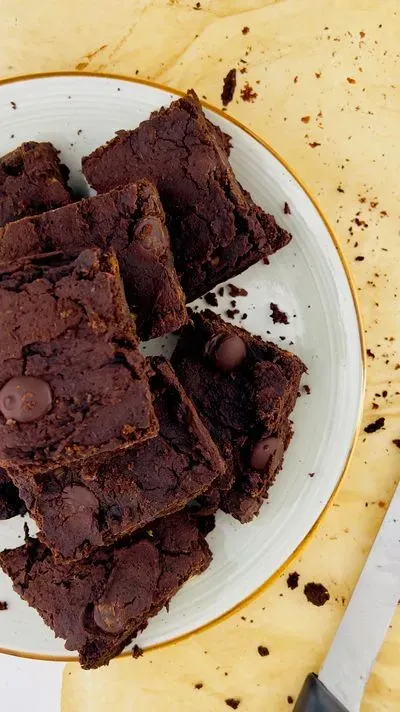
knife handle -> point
(315, 697)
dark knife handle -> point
(315, 697)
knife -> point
(339, 687)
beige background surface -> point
(300, 55)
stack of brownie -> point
(123, 461)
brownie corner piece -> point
(245, 390)
(91, 504)
(217, 230)
(100, 604)
(32, 180)
(72, 380)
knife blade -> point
(340, 684)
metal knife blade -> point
(364, 625)
(340, 685)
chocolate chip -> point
(25, 399)
(268, 449)
(150, 233)
(227, 351)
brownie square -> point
(93, 504)
(10, 502)
(32, 180)
(100, 604)
(131, 221)
(216, 229)
(72, 381)
(245, 389)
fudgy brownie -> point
(216, 229)
(72, 381)
(10, 502)
(32, 180)
(98, 605)
(130, 220)
(92, 504)
(245, 389)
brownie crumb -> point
(248, 93)
(286, 209)
(314, 144)
(233, 303)
(245, 30)
(26, 532)
(235, 291)
(305, 119)
(277, 315)
(290, 699)
(351, 80)
(198, 685)
(3, 605)
(221, 291)
(229, 87)
(376, 425)
(370, 353)
(233, 702)
(306, 389)
(137, 652)
(244, 316)
(316, 593)
(311, 474)
(263, 651)
(197, 6)
(293, 580)
(296, 79)
(375, 406)
(231, 313)
(211, 299)
(359, 258)
(13, 105)
(396, 442)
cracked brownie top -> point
(93, 504)
(32, 180)
(72, 381)
(216, 229)
(130, 220)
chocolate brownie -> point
(92, 504)
(72, 380)
(130, 220)
(216, 229)
(32, 180)
(245, 390)
(100, 604)
(10, 502)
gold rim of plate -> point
(300, 547)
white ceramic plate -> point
(307, 280)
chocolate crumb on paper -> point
(248, 93)
(229, 86)
(245, 30)
(307, 389)
(13, 105)
(293, 580)
(233, 702)
(3, 605)
(198, 685)
(290, 699)
(376, 425)
(137, 652)
(235, 291)
(305, 119)
(370, 353)
(263, 651)
(231, 313)
(316, 593)
(314, 144)
(277, 315)
(396, 442)
(286, 209)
